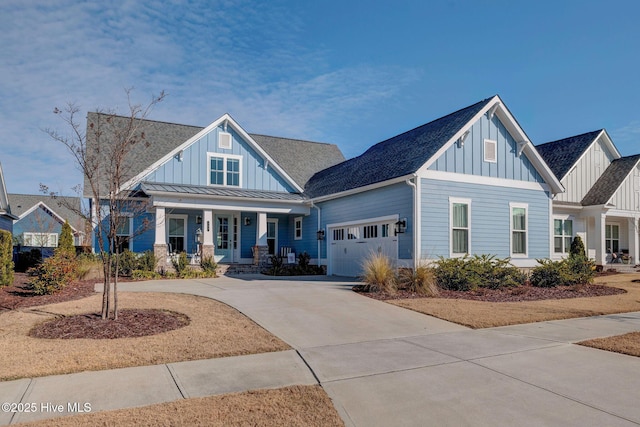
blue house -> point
(468, 183)
(6, 217)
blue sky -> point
(351, 73)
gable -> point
(468, 157)
(619, 185)
(40, 219)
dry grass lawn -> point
(479, 314)
(216, 330)
(288, 406)
(625, 344)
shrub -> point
(379, 274)
(577, 248)
(144, 275)
(66, 239)
(180, 263)
(480, 271)
(549, 273)
(582, 268)
(127, 261)
(422, 280)
(304, 260)
(88, 267)
(147, 261)
(277, 266)
(53, 274)
(6, 258)
(209, 266)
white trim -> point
(561, 217)
(362, 189)
(39, 236)
(295, 228)
(364, 221)
(59, 218)
(483, 180)
(459, 200)
(513, 205)
(275, 242)
(226, 118)
(231, 205)
(485, 152)
(168, 218)
(225, 158)
(128, 215)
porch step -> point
(232, 269)
(622, 268)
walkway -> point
(382, 365)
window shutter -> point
(224, 140)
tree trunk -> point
(106, 267)
(115, 288)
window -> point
(370, 231)
(224, 170)
(353, 233)
(612, 238)
(385, 230)
(490, 151)
(338, 234)
(562, 235)
(272, 235)
(40, 240)
(297, 226)
(177, 233)
(460, 226)
(518, 229)
(123, 234)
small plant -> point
(180, 263)
(577, 248)
(549, 273)
(66, 239)
(53, 274)
(144, 275)
(422, 280)
(480, 271)
(304, 259)
(277, 266)
(6, 258)
(379, 274)
(127, 261)
(209, 266)
(147, 261)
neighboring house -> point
(40, 219)
(468, 183)
(6, 217)
(602, 199)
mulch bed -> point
(521, 293)
(130, 323)
(20, 296)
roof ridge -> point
(145, 119)
(291, 139)
(569, 137)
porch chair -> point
(284, 253)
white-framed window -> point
(40, 240)
(519, 229)
(384, 230)
(297, 228)
(460, 220)
(177, 232)
(225, 170)
(124, 230)
(612, 238)
(562, 235)
(272, 235)
(370, 231)
(490, 151)
(338, 234)
(353, 233)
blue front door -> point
(224, 238)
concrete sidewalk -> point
(384, 365)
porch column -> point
(207, 233)
(160, 244)
(600, 240)
(260, 250)
(634, 240)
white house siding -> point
(627, 197)
(585, 173)
(391, 200)
(468, 158)
(490, 219)
(193, 169)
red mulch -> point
(20, 296)
(521, 293)
(130, 323)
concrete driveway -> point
(384, 365)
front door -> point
(224, 238)
(272, 236)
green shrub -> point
(127, 261)
(575, 270)
(378, 274)
(582, 268)
(147, 261)
(88, 267)
(53, 274)
(180, 263)
(422, 280)
(480, 271)
(66, 239)
(144, 275)
(209, 266)
(577, 248)
(6, 258)
(277, 266)
(304, 260)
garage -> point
(351, 243)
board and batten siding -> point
(490, 218)
(627, 197)
(193, 169)
(6, 224)
(585, 173)
(469, 158)
(394, 199)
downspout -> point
(319, 224)
(416, 220)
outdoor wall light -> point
(198, 235)
(247, 220)
(401, 226)
(320, 234)
(198, 219)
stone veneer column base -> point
(207, 251)
(162, 255)
(260, 255)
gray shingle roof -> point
(203, 190)
(299, 159)
(610, 181)
(398, 156)
(562, 154)
(21, 203)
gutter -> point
(416, 220)
(319, 225)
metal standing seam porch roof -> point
(201, 190)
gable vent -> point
(490, 151)
(224, 140)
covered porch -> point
(231, 226)
(613, 236)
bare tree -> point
(104, 153)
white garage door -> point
(350, 245)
